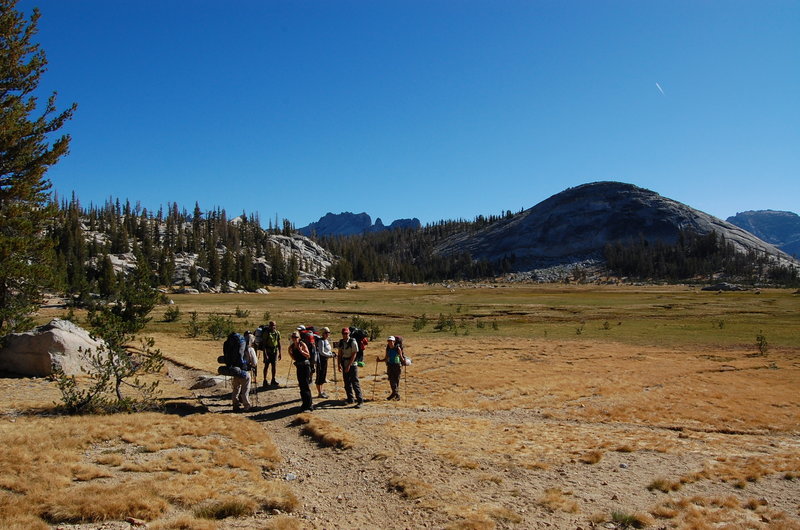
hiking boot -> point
(359, 404)
(265, 385)
(273, 383)
(323, 395)
(391, 397)
(397, 397)
(350, 401)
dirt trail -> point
(499, 483)
(338, 488)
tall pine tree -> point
(25, 156)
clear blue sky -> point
(435, 109)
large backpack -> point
(233, 351)
(362, 338)
(310, 338)
(259, 337)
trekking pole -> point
(255, 390)
(374, 380)
(405, 381)
(335, 380)
(287, 374)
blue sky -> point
(435, 109)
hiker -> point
(394, 360)
(348, 351)
(240, 382)
(324, 352)
(302, 361)
(271, 341)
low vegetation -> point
(90, 469)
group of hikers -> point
(310, 352)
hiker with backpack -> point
(395, 360)
(324, 352)
(348, 352)
(239, 359)
(302, 362)
(271, 343)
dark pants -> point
(351, 384)
(270, 358)
(303, 381)
(322, 371)
(394, 371)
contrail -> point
(660, 89)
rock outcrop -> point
(576, 224)
(782, 229)
(59, 343)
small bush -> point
(219, 327)
(193, 327)
(370, 326)
(761, 343)
(420, 323)
(626, 520)
(242, 313)
(172, 314)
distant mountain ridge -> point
(780, 228)
(577, 223)
(348, 224)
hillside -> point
(579, 222)
(782, 229)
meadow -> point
(531, 406)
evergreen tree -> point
(26, 256)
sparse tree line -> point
(84, 239)
(696, 256)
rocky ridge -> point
(779, 228)
(348, 224)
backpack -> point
(362, 339)
(259, 335)
(310, 339)
(233, 351)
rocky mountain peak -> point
(577, 223)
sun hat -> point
(391, 338)
(326, 329)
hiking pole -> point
(405, 381)
(287, 374)
(335, 380)
(374, 380)
(255, 390)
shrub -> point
(193, 328)
(626, 520)
(420, 323)
(172, 314)
(370, 326)
(761, 343)
(242, 313)
(219, 327)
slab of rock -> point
(60, 342)
(208, 382)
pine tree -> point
(25, 155)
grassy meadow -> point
(554, 376)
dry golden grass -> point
(409, 487)
(183, 522)
(699, 512)
(555, 499)
(101, 468)
(324, 432)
